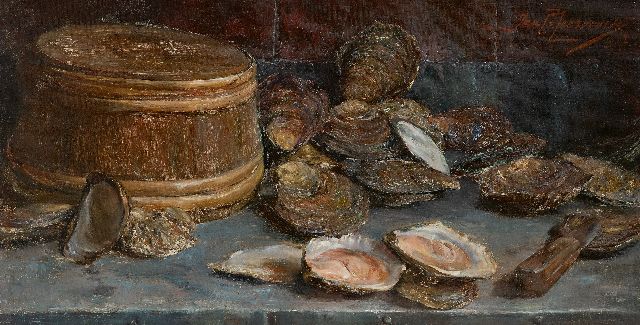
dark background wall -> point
(566, 70)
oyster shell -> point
(317, 202)
(610, 184)
(380, 62)
(311, 156)
(157, 233)
(472, 129)
(351, 263)
(414, 113)
(531, 185)
(96, 226)
(441, 251)
(36, 222)
(280, 263)
(358, 130)
(421, 145)
(620, 229)
(292, 110)
(396, 176)
(436, 293)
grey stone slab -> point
(36, 284)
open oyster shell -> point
(610, 184)
(620, 229)
(441, 251)
(531, 185)
(351, 263)
(436, 293)
(358, 130)
(280, 263)
(421, 145)
(36, 222)
(314, 202)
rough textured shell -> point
(37, 222)
(483, 265)
(359, 243)
(436, 293)
(280, 263)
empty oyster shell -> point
(274, 264)
(358, 130)
(421, 145)
(531, 185)
(336, 206)
(441, 251)
(511, 147)
(380, 62)
(610, 184)
(414, 113)
(96, 226)
(436, 293)
(620, 229)
(157, 233)
(396, 176)
(352, 263)
(37, 222)
(292, 110)
(472, 129)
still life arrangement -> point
(132, 135)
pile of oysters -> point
(433, 264)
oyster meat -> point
(358, 130)
(157, 233)
(440, 251)
(609, 183)
(280, 263)
(314, 202)
(352, 264)
(531, 185)
(96, 226)
(436, 293)
(620, 228)
(399, 181)
(380, 62)
(36, 222)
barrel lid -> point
(141, 52)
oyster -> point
(412, 112)
(509, 148)
(610, 184)
(37, 222)
(421, 145)
(472, 129)
(620, 228)
(315, 202)
(157, 233)
(96, 226)
(292, 110)
(380, 62)
(352, 264)
(358, 130)
(440, 251)
(311, 156)
(436, 293)
(531, 185)
(280, 263)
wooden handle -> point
(538, 273)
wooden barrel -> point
(170, 114)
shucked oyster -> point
(352, 264)
(401, 180)
(274, 264)
(440, 251)
(610, 184)
(314, 202)
(620, 228)
(358, 130)
(531, 185)
(436, 293)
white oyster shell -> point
(280, 263)
(421, 145)
(442, 251)
(365, 265)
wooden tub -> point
(170, 114)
